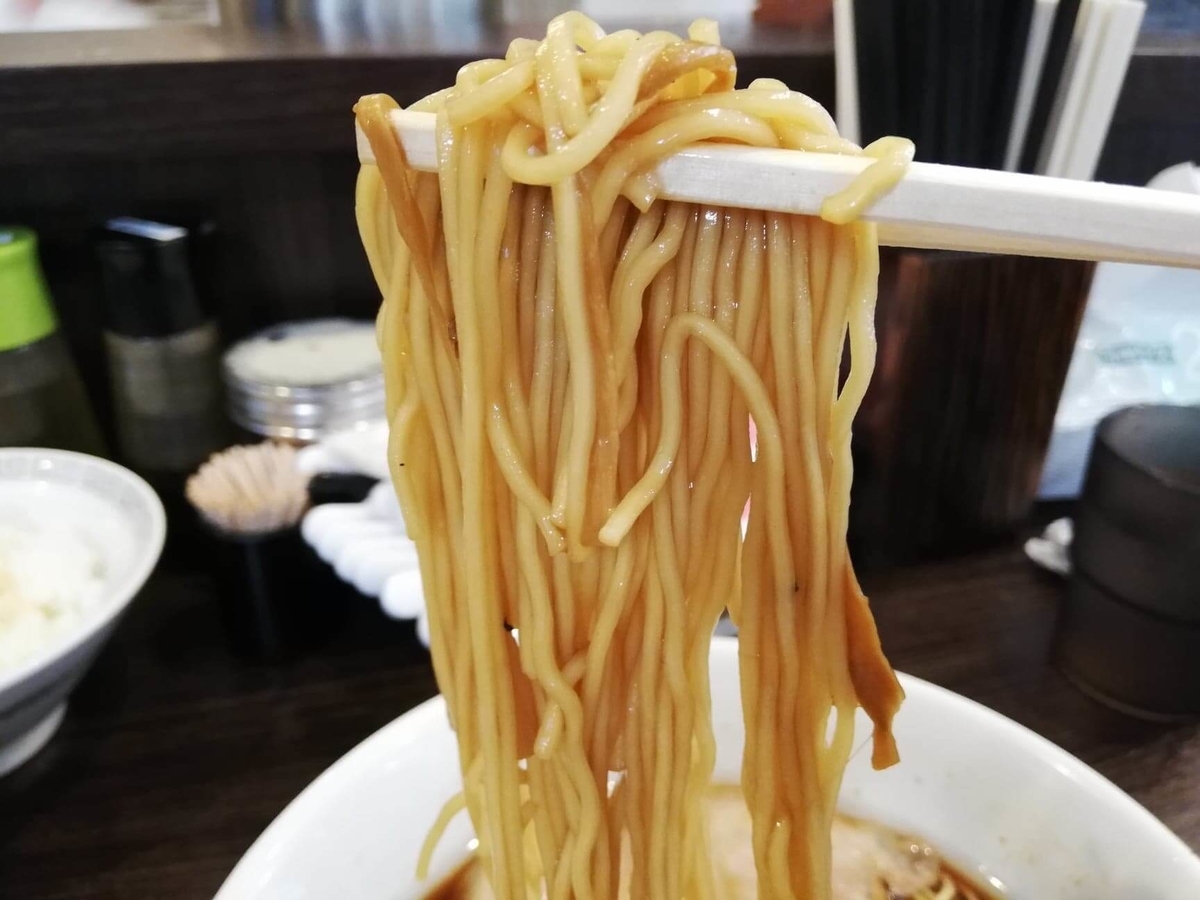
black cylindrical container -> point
(1130, 629)
(277, 600)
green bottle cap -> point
(26, 314)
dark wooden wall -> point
(262, 149)
(284, 247)
(1157, 120)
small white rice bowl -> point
(78, 538)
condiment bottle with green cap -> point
(42, 399)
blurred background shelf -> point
(247, 125)
(197, 90)
(188, 91)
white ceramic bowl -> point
(996, 799)
(122, 519)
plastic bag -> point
(1139, 342)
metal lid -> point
(302, 380)
(1137, 526)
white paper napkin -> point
(366, 543)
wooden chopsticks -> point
(933, 206)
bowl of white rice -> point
(78, 538)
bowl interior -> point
(110, 509)
(998, 801)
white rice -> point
(50, 578)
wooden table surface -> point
(173, 757)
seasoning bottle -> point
(163, 347)
(42, 399)
(301, 381)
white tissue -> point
(361, 450)
(1053, 549)
(366, 543)
(1139, 342)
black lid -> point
(1137, 525)
(146, 274)
(1145, 470)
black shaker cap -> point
(1145, 470)
(147, 279)
(1137, 525)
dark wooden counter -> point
(172, 758)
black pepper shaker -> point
(163, 347)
